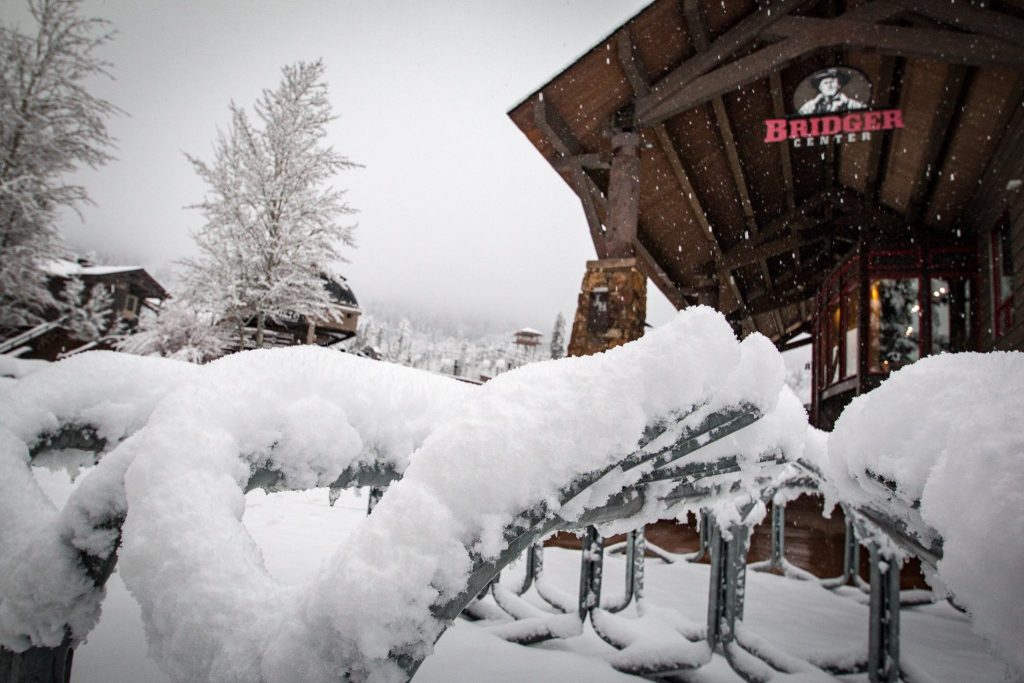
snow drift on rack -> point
(43, 584)
(113, 393)
(305, 413)
(213, 612)
(948, 431)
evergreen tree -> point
(558, 338)
(272, 218)
(49, 126)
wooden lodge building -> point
(850, 169)
(131, 289)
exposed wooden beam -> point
(635, 74)
(698, 34)
(569, 149)
(940, 135)
(676, 295)
(623, 194)
(946, 46)
(738, 37)
(779, 111)
(969, 17)
(589, 160)
(555, 129)
(746, 256)
(1007, 163)
(663, 103)
(697, 31)
(878, 153)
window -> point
(1002, 278)
(131, 305)
(894, 324)
(597, 319)
(951, 314)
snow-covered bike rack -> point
(726, 442)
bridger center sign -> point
(831, 109)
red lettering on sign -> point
(775, 130)
(852, 123)
(798, 128)
(892, 118)
(830, 125)
(873, 120)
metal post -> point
(591, 565)
(635, 563)
(376, 493)
(705, 537)
(534, 565)
(778, 535)
(851, 553)
(884, 618)
(728, 583)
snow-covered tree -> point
(272, 217)
(88, 314)
(178, 331)
(558, 337)
(49, 125)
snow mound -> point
(44, 586)
(948, 431)
(524, 437)
(113, 393)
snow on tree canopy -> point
(948, 431)
(211, 609)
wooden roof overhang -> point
(758, 225)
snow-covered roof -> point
(529, 331)
(65, 268)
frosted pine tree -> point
(178, 331)
(272, 217)
(558, 337)
(50, 125)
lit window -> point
(894, 324)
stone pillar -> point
(612, 306)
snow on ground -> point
(297, 532)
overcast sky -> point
(458, 213)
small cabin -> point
(131, 288)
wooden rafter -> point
(1007, 163)
(779, 111)
(969, 17)
(589, 160)
(560, 136)
(635, 74)
(879, 151)
(697, 31)
(738, 37)
(745, 256)
(940, 135)
(947, 46)
(858, 27)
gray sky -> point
(458, 213)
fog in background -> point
(460, 217)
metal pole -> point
(376, 493)
(778, 535)
(851, 553)
(728, 583)
(591, 565)
(884, 618)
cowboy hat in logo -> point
(834, 90)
